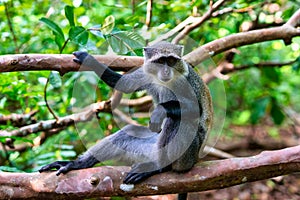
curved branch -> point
(285, 32)
(106, 181)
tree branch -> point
(285, 32)
(227, 67)
(63, 121)
(196, 24)
(18, 120)
(106, 181)
(62, 64)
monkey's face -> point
(164, 69)
(163, 62)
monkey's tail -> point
(182, 196)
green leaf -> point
(55, 80)
(272, 74)
(296, 65)
(108, 25)
(79, 35)
(69, 12)
(68, 154)
(123, 42)
(9, 169)
(96, 30)
(53, 26)
(59, 40)
(259, 108)
(276, 113)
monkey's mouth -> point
(165, 79)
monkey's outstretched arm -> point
(126, 83)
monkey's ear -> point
(149, 52)
(179, 50)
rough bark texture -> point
(106, 181)
(62, 63)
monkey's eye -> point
(161, 60)
(171, 61)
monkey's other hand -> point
(157, 117)
(62, 167)
(80, 56)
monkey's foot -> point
(62, 167)
(141, 171)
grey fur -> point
(182, 101)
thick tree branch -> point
(106, 181)
(63, 64)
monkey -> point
(178, 125)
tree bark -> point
(63, 63)
(106, 181)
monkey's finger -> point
(155, 127)
(77, 61)
(133, 178)
(80, 56)
(130, 178)
(55, 165)
(62, 170)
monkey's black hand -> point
(62, 167)
(157, 117)
(80, 56)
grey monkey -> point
(179, 123)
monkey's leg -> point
(132, 144)
(161, 162)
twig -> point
(225, 68)
(136, 102)
(196, 24)
(45, 98)
(18, 119)
(149, 13)
(175, 30)
(11, 27)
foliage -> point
(105, 26)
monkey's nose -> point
(166, 71)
